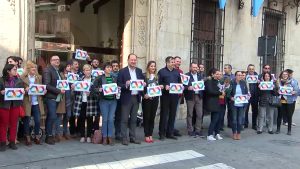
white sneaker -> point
(218, 137)
(286, 124)
(211, 138)
(89, 140)
(293, 124)
(82, 140)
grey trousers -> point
(266, 112)
(129, 112)
(196, 103)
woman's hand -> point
(27, 89)
(100, 89)
(3, 92)
(146, 96)
(190, 88)
(161, 86)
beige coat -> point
(61, 109)
(27, 98)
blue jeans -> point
(237, 119)
(51, 116)
(64, 118)
(36, 114)
(108, 109)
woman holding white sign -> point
(266, 104)
(33, 100)
(150, 100)
(239, 100)
(11, 105)
(105, 88)
(288, 93)
(85, 104)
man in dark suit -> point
(194, 101)
(129, 99)
(168, 101)
(53, 96)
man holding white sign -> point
(169, 101)
(194, 100)
(130, 99)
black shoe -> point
(3, 146)
(221, 129)
(191, 133)
(289, 133)
(162, 138)
(12, 145)
(200, 134)
(254, 127)
(176, 133)
(50, 140)
(134, 141)
(259, 132)
(172, 137)
(277, 131)
(125, 142)
(118, 138)
(270, 132)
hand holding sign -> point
(72, 77)
(285, 90)
(35, 89)
(199, 85)
(137, 85)
(110, 89)
(176, 88)
(14, 94)
(239, 99)
(266, 85)
(154, 91)
(252, 78)
(62, 85)
(184, 79)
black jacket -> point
(10, 103)
(97, 84)
(266, 95)
(50, 77)
(124, 76)
(212, 94)
(188, 94)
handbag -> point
(275, 101)
(21, 111)
(97, 137)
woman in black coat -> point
(212, 97)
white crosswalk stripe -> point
(160, 159)
(215, 166)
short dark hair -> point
(237, 72)
(193, 63)
(228, 65)
(266, 65)
(167, 60)
(177, 57)
(290, 71)
(106, 64)
(19, 58)
(114, 61)
(212, 71)
(250, 65)
(130, 55)
(95, 59)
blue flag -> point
(256, 6)
(222, 4)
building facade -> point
(196, 30)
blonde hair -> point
(86, 66)
(30, 64)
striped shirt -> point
(109, 80)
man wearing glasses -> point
(53, 96)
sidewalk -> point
(73, 148)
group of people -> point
(80, 112)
